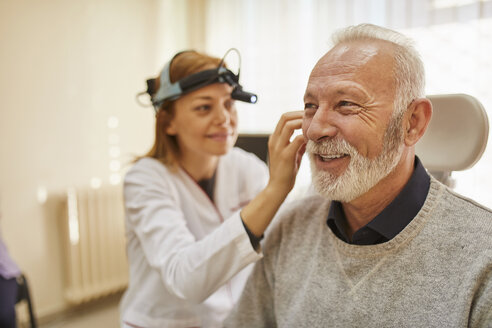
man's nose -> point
(321, 125)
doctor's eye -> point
(203, 108)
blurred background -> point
(70, 125)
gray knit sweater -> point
(437, 272)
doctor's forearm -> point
(258, 214)
(285, 155)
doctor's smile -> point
(220, 136)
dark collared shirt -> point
(393, 219)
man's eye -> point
(310, 106)
(345, 103)
(348, 107)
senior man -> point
(382, 244)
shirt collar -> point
(394, 218)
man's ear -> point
(417, 119)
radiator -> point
(93, 237)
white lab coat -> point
(188, 258)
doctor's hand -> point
(285, 155)
(284, 161)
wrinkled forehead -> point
(364, 61)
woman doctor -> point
(195, 206)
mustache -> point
(330, 147)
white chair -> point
(456, 136)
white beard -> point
(362, 173)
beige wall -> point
(65, 68)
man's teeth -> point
(329, 157)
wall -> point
(69, 74)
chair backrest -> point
(254, 143)
(456, 137)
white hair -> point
(408, 71)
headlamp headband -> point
(172, 91)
